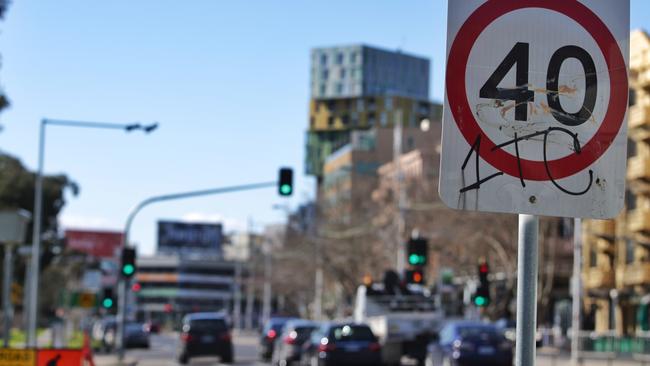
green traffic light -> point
(415, 259)
(480, 301)
(285, 189)
(128, 269)
(107, 303)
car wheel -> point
(183, 359)
(227, 358)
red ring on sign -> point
(467, 124)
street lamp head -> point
(152, 127)
(132, 127)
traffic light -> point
(136, 287)
(414, 276)
(417, 250)
(482, 295)
(285, 182)
(128, 262)
(108, 299)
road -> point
(163, 353)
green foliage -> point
(17, 191)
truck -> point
(403, 321)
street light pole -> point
(32, 306)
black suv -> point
(205, 334)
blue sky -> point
(227, 80)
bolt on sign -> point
(536, 107)
(17, 357)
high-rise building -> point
(355, 71)
(362, 87)
(616, 260)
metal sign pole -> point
(577, 291)
(527, 290)
(6, 294)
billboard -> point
(100, 244)
(180, 237)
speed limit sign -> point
(536, 106)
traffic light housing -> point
(285, 182)
(482, 295)
(127, 270)
(108, 299)
(415, 276)
(417, 252)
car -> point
(340, 344)
(288, 347)
(153, 327)
(270, 333)
(509, 329)
(103, 332)
(205, 334)
(469, 343)
(136, 335)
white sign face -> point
(536, 107)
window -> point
(630, 200)
(383, 119)
(388, 103)
(330, 121)
(410, 143)
(629, 251)
(311, 121)
(360, 105)
(371, 119)
(325, 74)
(323, 89)
(339, 58)
(632, 97)
(342, 73)
(353, 58)
(323, 59)
(339, 88)
(345, 120)
(593, 257)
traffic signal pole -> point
(121, 301)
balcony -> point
(606, 246)
(599, 278)
(603, 228)
(638, 221)
(639, 122)
(636, 274)
(638, 171)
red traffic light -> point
(136, 287)
(483, 268)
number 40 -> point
(521, 95)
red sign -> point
(493, 153)
(59, 357)
(96, 243)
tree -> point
(17, 192)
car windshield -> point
(303, 332)
(133, 327)
(477, 332)
(207, 325)
(351, 333)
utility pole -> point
(401, 193)
(266, 305)
(250, 288)
(7, 307)
(237, 295)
